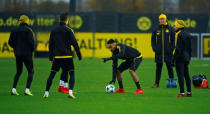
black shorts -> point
(66, 64)
(132, 64)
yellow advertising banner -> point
(5, 49)
(85, 42)
(206, 46)
(42, 42)
(140, 41)
(91, 45)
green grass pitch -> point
(92, 75)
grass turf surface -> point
(92, 75)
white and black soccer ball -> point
(110, 88)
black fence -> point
(106, 22)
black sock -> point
(17, 76)
(29, 80)
(138, 85)
(71, 80)
(64, 76)
(120, 84)
(49, 81)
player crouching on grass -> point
(60, 53)
(132, 59)
(182, 57)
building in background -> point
(125, 6)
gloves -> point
(106, 59)
(112, 81)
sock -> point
(46, 93)
(61, 83)
(65, 85)
(70, 92)
(188, 92)
(29, 79)
(27, 90)
(13, 89)
(49, 80)
(138, 85)
(182, 93)
(71, 80)
(120, 84)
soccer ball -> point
(110, 88)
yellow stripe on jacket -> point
(176, 38)
(62, 57)
(140, 56)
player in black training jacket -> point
(162, 42)
(182, 57)
(22, 41)
(132, 59)
(60, 53)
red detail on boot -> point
(60, 88)
(65, 90)
(138, 91)
(121, 90)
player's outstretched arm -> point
(106, 59)
(31, 40)
(114, 71)
(11, 40)
(75, 45)
(51, 47)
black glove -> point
(112, 81)
(106, 59)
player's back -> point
(60, 40)
(129, 52)
(21, 39)
(185, 54)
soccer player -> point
(60, 53)
(182, 57)
(162, 42)
(132, 59)
(22, 41)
